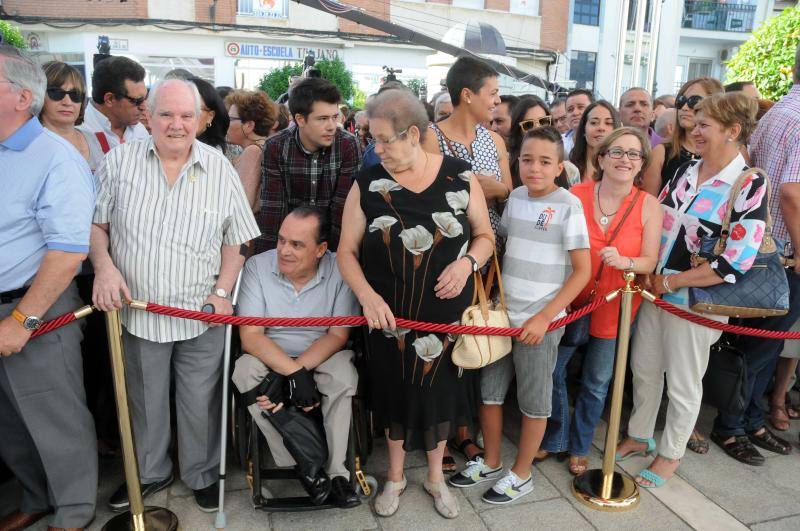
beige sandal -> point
(443, 500)
(388, 501)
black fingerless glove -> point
(272, 387)
(302, 389)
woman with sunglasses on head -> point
(695, 202)
(624, 233)
(252, 117)
(529, 113)
(674, 152)
(598, 120)
(63, 103)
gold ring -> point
(376, 323)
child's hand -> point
(534, 329)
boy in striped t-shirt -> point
(546, 265)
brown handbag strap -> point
(767, 244)
(616, 231)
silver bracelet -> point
(631, 266)
(665, 281)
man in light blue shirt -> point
(47, 435)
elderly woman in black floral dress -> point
(414, 221)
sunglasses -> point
(618, 153)
(691, 101)
(527, 125)
(57, 94)
(135, 101)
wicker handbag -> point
(763, 291)
(473, 351)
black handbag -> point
(725, 381)
(763, 290)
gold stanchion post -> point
(139, 517)
(605, 489)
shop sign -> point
(271, 51)
(271, 8)
(118, 44)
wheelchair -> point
(250, 448)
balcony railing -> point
(718, 16)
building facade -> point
(235, 42)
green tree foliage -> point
(11, 35)
(276, 82)
(768, 56)
(415, 85)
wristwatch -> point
(473, 261)
(221, 292)
(28, 322)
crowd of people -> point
(174, 191)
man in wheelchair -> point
(291, 371)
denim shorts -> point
(533, 366)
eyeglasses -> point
(618, 153)
(388, 141)
(57, 94)
(527, 125)
(691, 101)
(135, 101)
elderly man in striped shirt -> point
(170, 226)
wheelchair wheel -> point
(239, 431)
(373, 486)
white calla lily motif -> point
(383, 187)
(458, 201)
(383, 224)
(428, 347)
(417, 240)
(447, 225)
(400, 335)
(465, 175)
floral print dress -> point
(415, 390)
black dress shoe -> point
(119, 500)
(207, 498)
(770, 441)
(740, 449)
(342, 494)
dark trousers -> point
(761, 356)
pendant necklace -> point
(604, 218)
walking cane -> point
(605, 489)
(226, 364)
(139, 517)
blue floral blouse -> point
(691, 212)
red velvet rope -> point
(54, 324)
(725, 327)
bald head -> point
(665, 123)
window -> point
(524, 7)
(699, 68)
(244, 7)
(586, 12)
(581, 69)
(471, 4)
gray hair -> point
(649, 96)
(22, 72)
(359, 115)
(663, 122)
(402, 108)
(152, 98)
(444, 98)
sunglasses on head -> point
(527, 125)
(691, 101)
(57, 94)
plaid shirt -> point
(775, 147)
(292, 176)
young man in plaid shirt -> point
(310, 164)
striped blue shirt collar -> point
(23, 136)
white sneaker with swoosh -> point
(476, 472)
(508, 489)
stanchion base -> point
(155, 519)
(587, 488)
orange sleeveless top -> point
(628, 242)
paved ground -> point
(711, 492)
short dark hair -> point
(323, 220)
(214, 135)
(737, 86)
(550, 134)
(308, 90)
(110, 74)
(577, 92)
(467, 72)
(558, 101)
(510, 100)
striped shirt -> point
(167, 242)
(775, 148)
(541, 231)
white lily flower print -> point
(417, 240)
(383, 187)
(465, 176)
(463, 252)
(384, 224)
(447, 224)
(458, 201)
(428, 347)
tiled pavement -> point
(711, 492)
